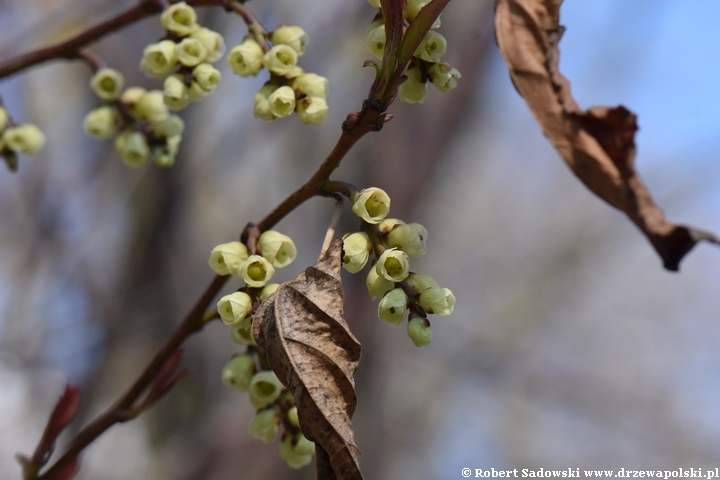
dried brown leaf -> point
(314, 354)
(598, 144)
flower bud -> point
(132, 95)
(151, 107)
(212, 41)
(432, 47)
(172, 126)
(280, 60)
(437, 300)
(282, 101)
(291, 36)
(375, 40)
(242, 332)
(132, 148)
(374, 3)
(190, 52)
(264, 425)
(419, 331)
(414, 89)
(303, 446)
(419, 282)
(277, 248)
(246, 59)
(25, 138)
(179, 19)
(295, 72)
(267, 290)
(388, 224)
(172, 144)
(377, 286)
(291, 456)
(264, 388)
(292, 416)
(159, 59)
(4, 117)
(162, 157)
(392, 307)
(393, 265)
(239, 372)
(206, 76)
(312, 110)
(311, 84)
(107, 83)
(234, 307)
(256, 271)
(372, 205)
(225, 259)
(102, 122)
(414, 7)
(356, 250)
(261, 107)
(410, 238)
(443, 76)
(175, 92)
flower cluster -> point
(184, 57)
(390, 279)
(289, 88)
(24, 138)
(138, 119)
(425, 65)
(245, 373)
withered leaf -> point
(314, 354)
(598, 144)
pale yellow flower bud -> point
(176, 93)
(392, 307)
(312, 110)
(234, 307)
(291, 36)
(172, 126)
(280, 60)
(173, 144)
(414, 89)
(4, 117)
(242, 332)
(419, 331)
(282, 101)
(226, 258)
(311, 84)
(180, 19)
(277, 248)
(393, 265)
(206, 76)
(414, 7)
(374, 3)
(388, 224)
(132, 148)
(294, 73)
(375, 40)
(107, 83)
(293, 459)
(410, 238)
(264, 388)
(437, 300)
(151, 107)
(292, 416)
(419, 282)
(267, 290)
(377, 286)
(159, 59)
(356, 249)
(256, 271)
(432, 47)
(102, 122)
(246, 59)
(213, 42)
(162, 157)
(443, 76)
(303, 446)
(239, 372)
(372, 205)
(264, 425)
(261, 107)
(132, 95)
(25, 138)
(190, 52)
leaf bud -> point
(419, 282)
(282, 101)
(159, 59)
(377, 286)
(264, 425)
(392, 307)
(107, 83)
(356, 250)
(410, 238)
(225, 259)
(241, 333)
(414, 89)
(393, 265)
(102, 122)
(213, 42)
(375, 39)
(312, 110)
(277, 248)
(419, 331)
(190, 52)
(180, 19)
(432, 47)
(176, 92)
(234, 307)
(261, 107)
(239, 372)
(267, 290)
(25, 138)
(291, 36)
(256, 271)
(132, 148)
(311, 84)
(150, 107)
(437, 300)
(246, 59)
(280, 60)
(372, 205)
(443, 76)
(264, 388)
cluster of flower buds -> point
(24, 138)
(138, 119)
(390, 279)
(184, 57)
(289, 88)
(273, 403)
(425, 65)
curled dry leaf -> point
(598, 144)
(314, 354)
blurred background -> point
(569, 346)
